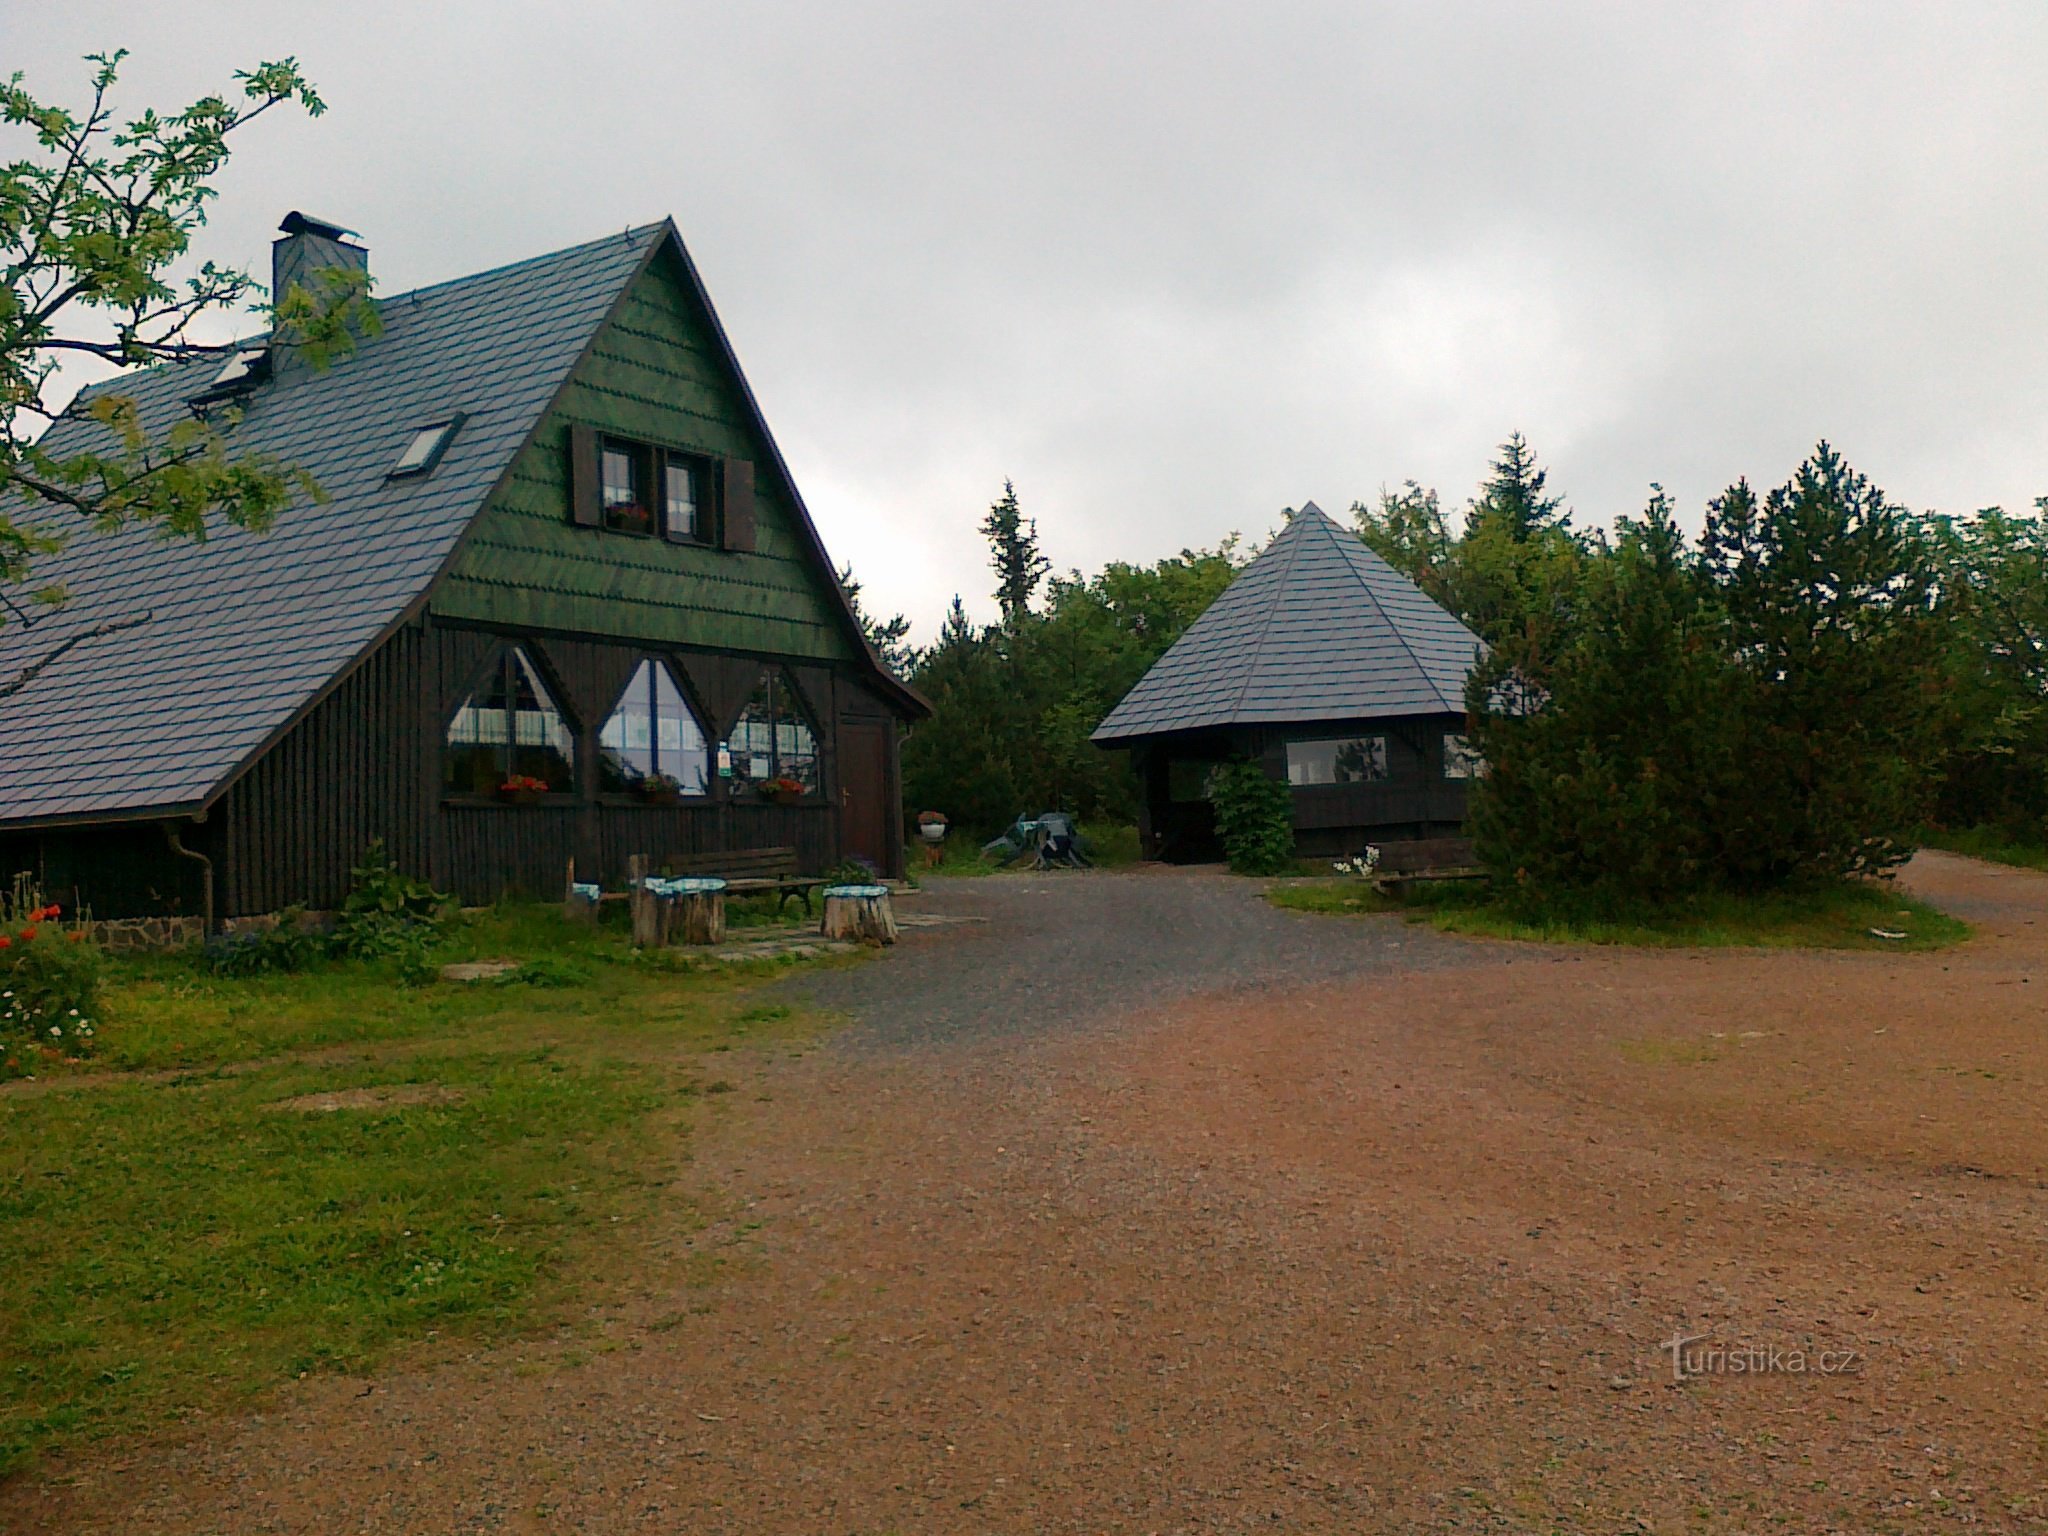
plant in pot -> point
(658, 789)
(931, 826)
(782, 790)
(522, 788)
(630, 517)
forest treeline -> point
(1801, 690)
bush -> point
(387, 912)
(282, 950)
(1254, 818)
(49, 984)
(854, 870)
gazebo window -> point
(772, 739)
(1461, 759)
(1340, 760)
(653, 734)
(507, 731)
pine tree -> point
(1513, 499)
(1014, 554)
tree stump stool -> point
(696, 910)
(687, 911)
(860, 913)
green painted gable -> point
(656, 373)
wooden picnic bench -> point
(752, 872)
(1424, 859)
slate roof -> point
(1317, 628)
(244, 629)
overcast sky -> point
(1174, 267)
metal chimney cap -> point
(297, 223)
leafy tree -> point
(1408, 530)
(959, 761)
(1511, 572)
(96, 216)
(1992, 578)
(1015, 705)
(1013, 550)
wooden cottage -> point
(1334, 671)
(561, 599)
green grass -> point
(1989, 843)
(177, 1242)
(1840, 916)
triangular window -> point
(653, 741)
(509, 738)
(772, 741)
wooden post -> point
(641, 902)
(861, 913)
(576, 907)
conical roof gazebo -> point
(1332, 669)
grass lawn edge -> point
(1851, 915)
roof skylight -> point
(426, 448)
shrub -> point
(854, 870)
(1254, 818)
(387, 912)
(49, 984)
(281, 950)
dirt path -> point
(1389, 1240)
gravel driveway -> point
(1043, 954)
(1366, 1230)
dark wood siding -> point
(1415, 801)
(345, 775)
(126, 870)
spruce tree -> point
(1014, 554)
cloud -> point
(1172, 268)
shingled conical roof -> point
(1317, 628)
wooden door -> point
(865, 814)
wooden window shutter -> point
(736, 503)
(585, 508)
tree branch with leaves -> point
(97, 220)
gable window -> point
(625, 505)
(679, 494)
(653, 742)
(772, 739)
(508, 737)
(682, 498)
(1341, 760)
(1461, 759)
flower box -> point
(657, 789)
(522, 789)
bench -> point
(1426, 859)
(752, 872)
